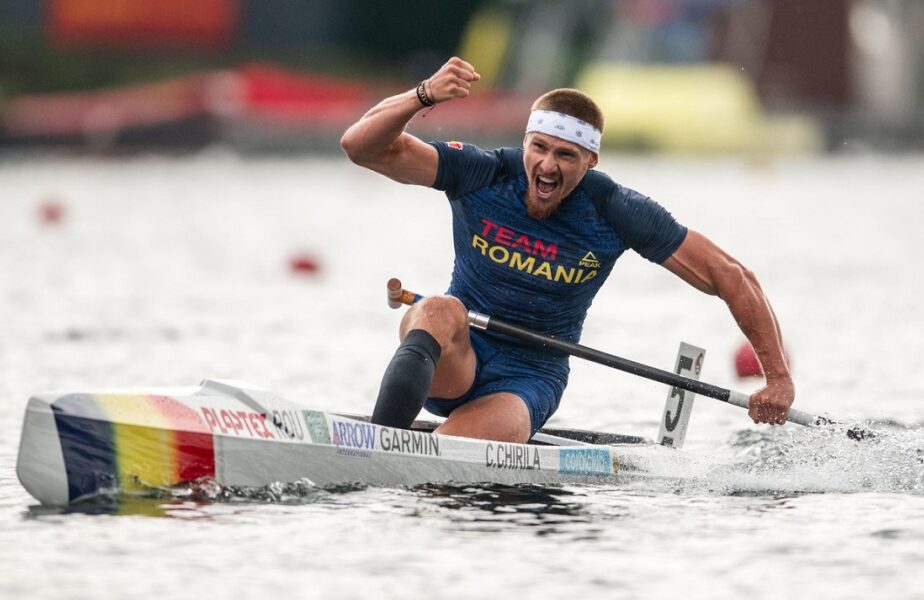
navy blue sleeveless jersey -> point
(541, 273)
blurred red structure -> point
(255, 106)
(164, 24)
(269, 90)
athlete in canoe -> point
(536, 232)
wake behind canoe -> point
(79, 445)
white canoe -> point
(79, 445)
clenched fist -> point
(453, 80)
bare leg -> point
(502, 417)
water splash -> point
(815, 460)
(302, 491)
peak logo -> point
(590, 261)
(454, 145)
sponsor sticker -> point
(240, 423)
(316, 424)
(408, 442)
(585, 461)
(353, 438)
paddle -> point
(398, 296)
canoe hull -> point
(80, 445)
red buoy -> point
(746, 362)
(51, 212)
(304, 264)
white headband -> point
(566, 127)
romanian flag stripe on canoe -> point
(104, 448)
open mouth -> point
(545, 186)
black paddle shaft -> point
(610, 360)
(481, 321)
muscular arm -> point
(378, 140)
(709, 269)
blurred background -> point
(682, 76)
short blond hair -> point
(571, 102)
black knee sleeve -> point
(407, 380)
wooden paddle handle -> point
(397, 295)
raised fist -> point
(452, 80)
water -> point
(164, 271)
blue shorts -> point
(538, 379)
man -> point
(536, 232)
